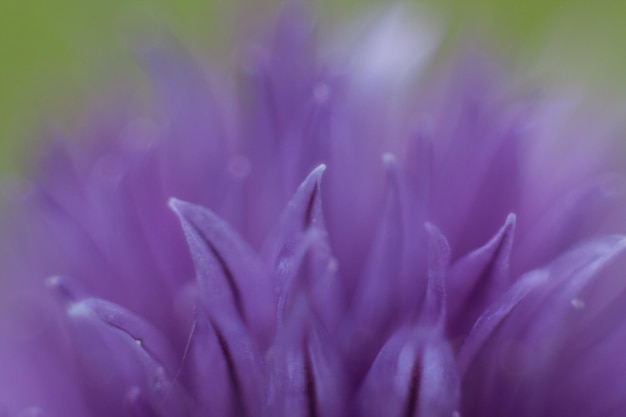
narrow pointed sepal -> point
(478, 278)
(301, 255)
(230, 275)
(303, 212)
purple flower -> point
(320, 235)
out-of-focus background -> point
(53, 54)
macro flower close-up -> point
(342, 225)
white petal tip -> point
(319, 169)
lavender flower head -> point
(320, 235)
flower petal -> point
(225, 369)
(511, 351)
(301, 254)
(414, 374)
(305, 379)
(478, 278)
(118, 351)
(375, 302)
(230, 275)
(303, 211)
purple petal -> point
(511, 351)
(118, 351)
(302, 257)
(374, 305)
(413, 375)
(305, 378)
(229, 273)
(303, 211)
(478, 278)
(225, 369)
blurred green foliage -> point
(56, 51)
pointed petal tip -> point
(506, 232)
(176, 205)
(317, 172)
(183, 211)
(432, 230)
(511, 220)
(313, 179)
(310, 184)
(73, 299)
(436, 237)
(67, 290)
(188, 211)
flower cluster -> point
(314, 236)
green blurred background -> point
(60, 51)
